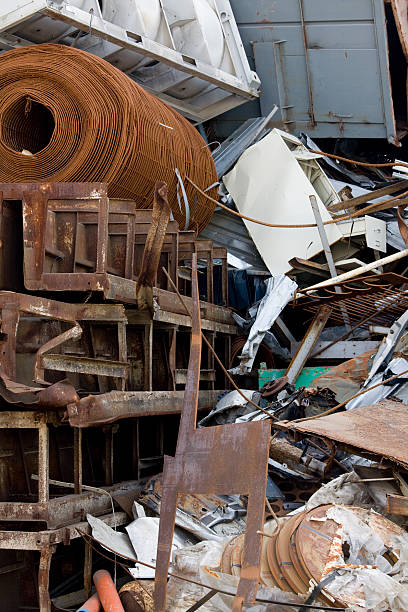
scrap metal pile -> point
(203, 356)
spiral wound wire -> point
(67, 115)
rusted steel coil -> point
(67, 115)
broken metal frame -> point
(12, 304)
(45, 542)
(195, 468)
(380, 299)
(75, 236)
(61, 510)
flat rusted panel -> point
(377, 429)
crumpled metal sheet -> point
(229, 407)
(384, 366)
(347, 378)
(280, 290)
(58, 395)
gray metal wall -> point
(324, 62)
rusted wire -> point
(218, 360)
(383, 205)
(359, 163)
(78, 118)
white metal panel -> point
(269, 184)
(374, 230)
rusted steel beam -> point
(84, 365)
(44, 578)
(369, 197)
(153, 248)
(37, 540)
(110, 407)
(65, 510)
(213, 460)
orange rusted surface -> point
(375, 429)
(81, 119)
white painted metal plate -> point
(269, 184)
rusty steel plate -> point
(314, 539)
(274, 566)
(293, 553)
(358, 429)
(196, 468)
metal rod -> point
(358, 271)
(202, 601)
(327, 251)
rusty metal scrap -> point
(41, 311)
(105, 408)
(75, 238)
(307, 547)
(58, 395)
(78, 118)
(378, 299)
(153, 247)
(198, 467)
(373, 430)
(347, 378)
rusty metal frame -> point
(112, 271)
(12, 304)
(45, 543)
(362, 297)
(199, 466)
(29, 420)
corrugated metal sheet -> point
(229, 231)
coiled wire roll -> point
(67, 115)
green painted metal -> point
(306, 376)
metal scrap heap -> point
(203, 316)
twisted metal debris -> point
(66, 115)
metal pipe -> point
(358, 271)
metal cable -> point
(383, 205)
(67, 115)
